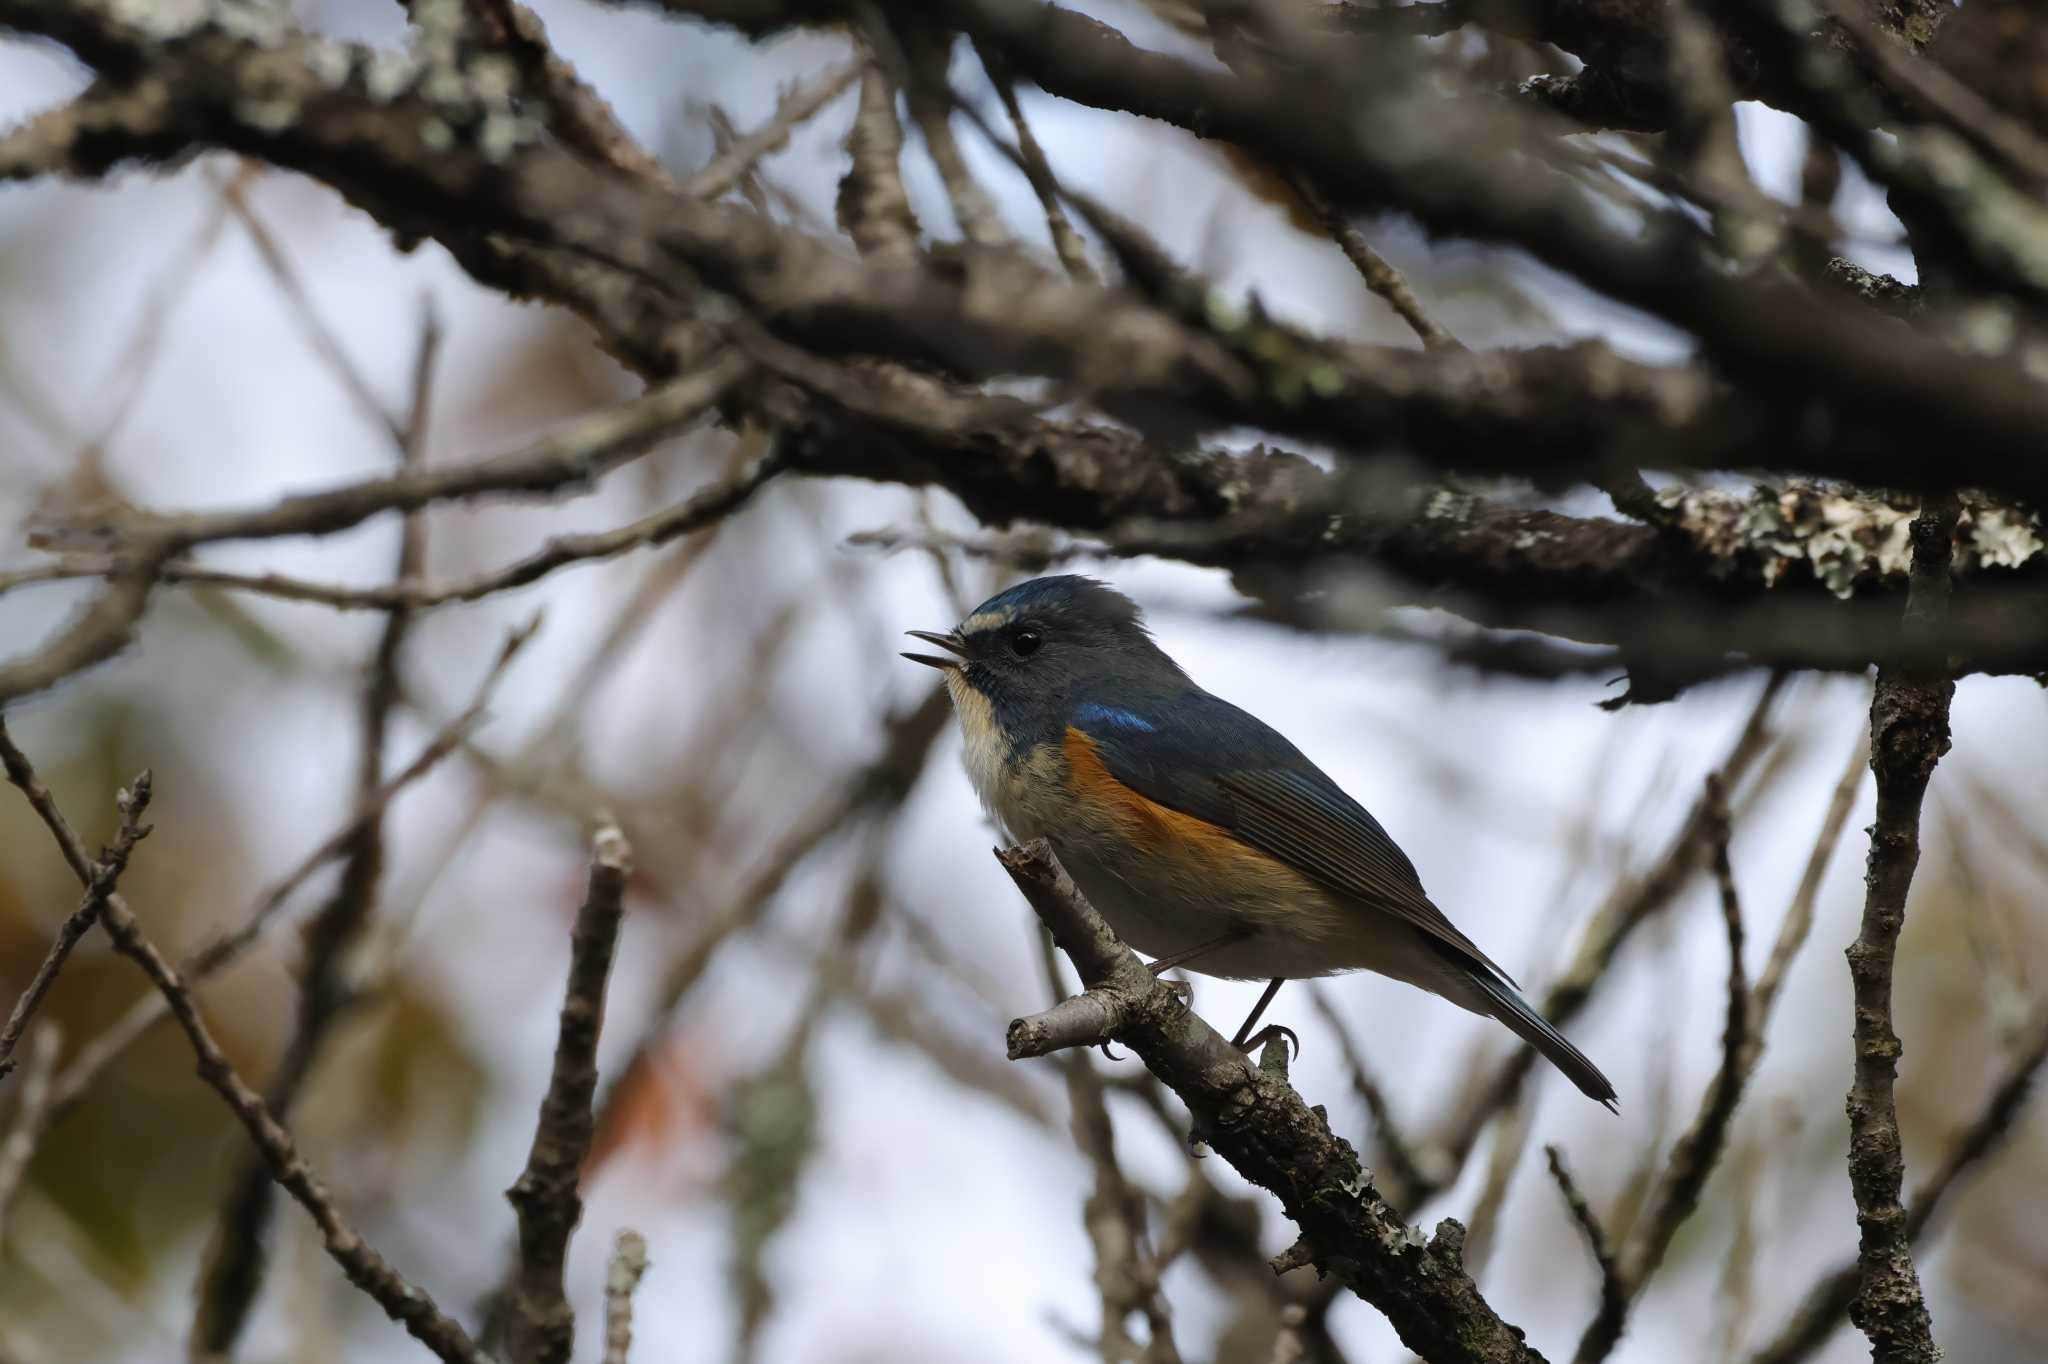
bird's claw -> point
(1251, 1045)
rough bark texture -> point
(1909, 732)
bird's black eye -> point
(1025, 643)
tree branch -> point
(1909, 732)
(542, 1327)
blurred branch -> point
(1113, 1214)
(1605, 1328)
(1257, 1122)
(1822, 1309)
(796, 107)
(700, 511)
(575, 455)
(31, 1117)
(1909, 732)
(576, 113)
(621, 1281)
(1380, 277)
(542, 1327)
(1398, 1164)
(572, 457)
(228, 947)
(1675, 1196)
(1031, 159)
(235, 1268)
(366, 1269)
(1628, 906)
(881, 784)
(872, 205)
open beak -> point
(950, 643)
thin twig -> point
(1694, 1155)
(879, 785)
(1398, 1163)
(365, 1268)
(700, 511)
(1627, 907)
(1380, 277)
(318, 334)
(95, 1055)
(574, 455)
(545, 1196)
(235, 1267)
(1066, 241)
(621, 1281)
(31, 1117)
(100, 880)
(793, 109)
(1613, 1291)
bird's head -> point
(1031, 652)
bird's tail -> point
(1503, 1003)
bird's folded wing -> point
(1235, 772)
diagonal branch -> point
(365, 1268)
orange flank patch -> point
(1147, 823)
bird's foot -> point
(1269, 1033)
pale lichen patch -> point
(1845, 540)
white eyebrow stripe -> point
(984, 620)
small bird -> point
(1203, 837)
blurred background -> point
(808, 1114)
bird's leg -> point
(1187, 954)
(1247, 1041)
(1184, 989)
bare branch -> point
(236, 1263)
(100, 881)
(1627, 907)
(1909, 732)
(1827, 1302)
(95, 1055)
(366, 1269)
(1614, 1292)
(621, 1281)
(1676, 1195)
(542, 1327)
(795, 108)
(31, 1117)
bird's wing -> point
(1200, 755)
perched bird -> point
(1203, 837)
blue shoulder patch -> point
(1097, 713)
